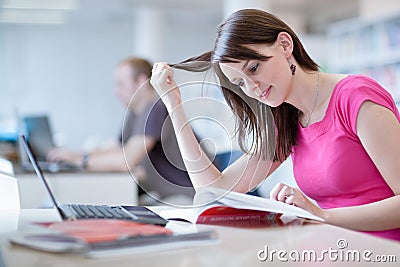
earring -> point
(293, 68)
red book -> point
(228, 216)
(100, 230)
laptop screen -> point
(37, 168)
(39, 135)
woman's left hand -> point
(290, 195)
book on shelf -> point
(218, 207)
(108, 237)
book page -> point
(244, 201)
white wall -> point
(64, 71)
(186, 38)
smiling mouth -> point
(264, 94)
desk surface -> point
(236, 246)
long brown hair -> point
(244, 27)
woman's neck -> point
(310, 97)
(306, 92)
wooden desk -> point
(236, 246)
(78, 187)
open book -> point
(219, 207)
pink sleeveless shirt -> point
(330, 163)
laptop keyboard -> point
(100, 211)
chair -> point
(9, 194)
(223, 160)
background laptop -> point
(80, 211)
(38, 131)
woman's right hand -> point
(162, 79)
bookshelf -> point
(368, 46)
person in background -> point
(342, 131)
(147, 144)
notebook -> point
(81, 211)
(38, 131)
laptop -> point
(80, 211)
(39, 134)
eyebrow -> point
(244, 66)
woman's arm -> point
(241, 176)
(377, 216)
(379, 132)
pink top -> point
(330, 164)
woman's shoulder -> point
(352, 91)
(357, 86)
(354, 82)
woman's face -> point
(267, 81)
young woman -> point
(342, 131)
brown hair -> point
(244, 27)
(138, 66)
